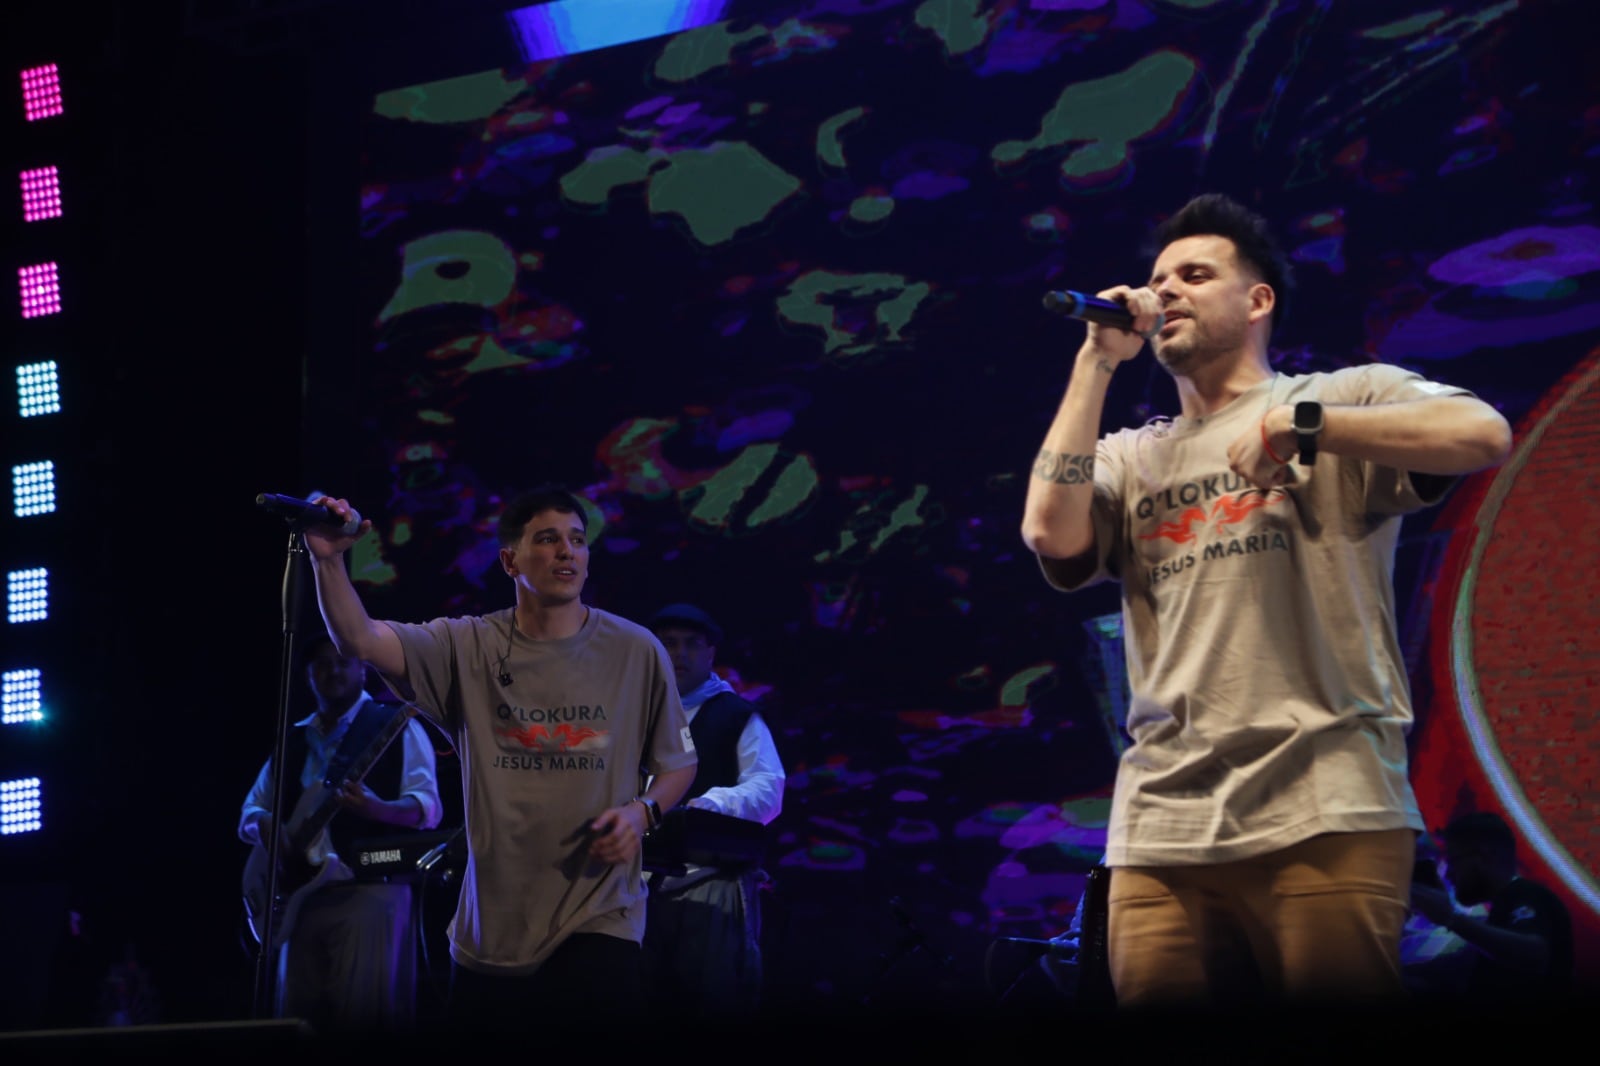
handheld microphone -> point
(1094, 309)
(302, 513)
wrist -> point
(1097, 362)
(1273, 452)
(652, 812)
(1280, 423)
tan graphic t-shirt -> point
(582, 723)
(1269, 700)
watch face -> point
(1308, 417)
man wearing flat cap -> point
(703, 926)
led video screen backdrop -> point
(768, 292)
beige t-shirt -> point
(1269, 700)
(580, 725)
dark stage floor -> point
(983, 1035)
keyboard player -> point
(702, 941)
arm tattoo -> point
(1064, 469)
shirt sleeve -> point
(758, 794)
(420, 780)
(1389, 489)
(257, 804)
(671, 747)
(430, 669)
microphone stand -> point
(912, 940)
(421, 876)
(293, 596)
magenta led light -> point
(41, 194)
(40, 289)
(41, 92)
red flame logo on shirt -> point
(564, 737)
(1227, 511)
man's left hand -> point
(1248, 455)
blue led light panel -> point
(33, 488)
(27, 595)
(38, 389)
(20, 692)
(21, 806)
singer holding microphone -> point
(1263, 828)
(559, 712)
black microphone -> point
(302, 513)
(1094, 309)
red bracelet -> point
(1266, 442)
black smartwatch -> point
(1307, 424)
(652, 811)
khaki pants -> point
(1317, 921)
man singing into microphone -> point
(1262, 829)
(560, 712)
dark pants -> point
(587, 977)
(702, 946)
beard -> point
(1198, 347)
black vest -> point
(715, 731)
(384, 779)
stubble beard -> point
(1182, 357)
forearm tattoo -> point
(1064, 469)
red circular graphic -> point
(1516, 641)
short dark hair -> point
(520, 511)
(1481, 831)
(1213, 214)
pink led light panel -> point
(41, 290)
(41, 92)
(41, 194)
